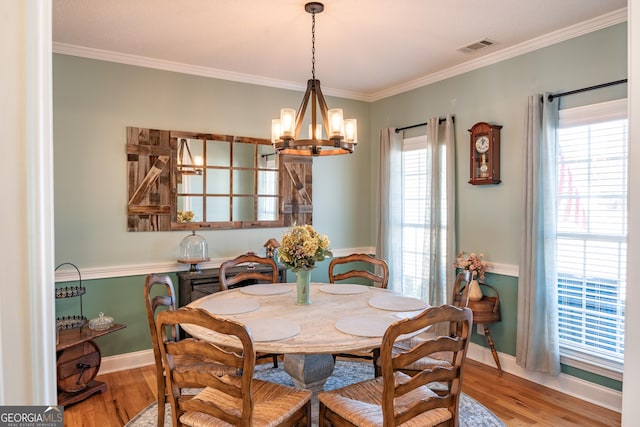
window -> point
(416, 207)
(592, 234)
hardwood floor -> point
(515, 401)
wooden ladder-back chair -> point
(377, 271)
(238, 400)
(249, 259)
(159, 295)
(460, 294)
(396, 398)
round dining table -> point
(342, 318)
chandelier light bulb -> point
(276, 131)
(287, 122)
(318, 131)
(336, 123)
(351, 130)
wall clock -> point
(485, 154)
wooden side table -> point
(485, 311)
(78, 363)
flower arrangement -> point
(472, 262)
(302, 247)
(185, 216)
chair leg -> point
(322, 410)
(162, 399)
(376, 369)
(494, 353)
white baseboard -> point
(125, 361)
(573, 386)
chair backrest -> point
(461, 288)
(460, 323)
(158, 285)
(379, 276)
(250, 258)
(233, 402)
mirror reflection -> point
(225, 180)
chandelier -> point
(341, 134)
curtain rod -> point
(441, 119)
(585, 89)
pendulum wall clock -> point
(485, 154)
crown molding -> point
(595, 24)
(177, 67)
(585, 27)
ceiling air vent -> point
(473, 47)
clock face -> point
(482, 144)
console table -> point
(196, 284)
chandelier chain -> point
(313, 45)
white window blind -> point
(592, 232)
(416, 208)
(414, 217)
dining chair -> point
(396, 398)
(362, 266)
(377, 269)
(249, 259)
(460, 299)
(159, 295)
(238, 400)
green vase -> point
(303, 278)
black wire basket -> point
(62, 292)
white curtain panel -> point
(537, 346)
(389, 207)
(441, 224)
(439, 227)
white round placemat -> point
(265, 289)
(229, 305)
(364, 326)
(271, 329)
(344, 289)
(397, 303)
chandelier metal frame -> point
(341, 134)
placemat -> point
(397, 303)
(343, 289)
(230, 305)
(364, 326)
(271, 329)
(265, 289)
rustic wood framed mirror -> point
(191, 181)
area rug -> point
(472, 413)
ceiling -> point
(365, 49)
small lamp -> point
(271, 245)
(193, 250)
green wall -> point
(488, 217)
(94, 101)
